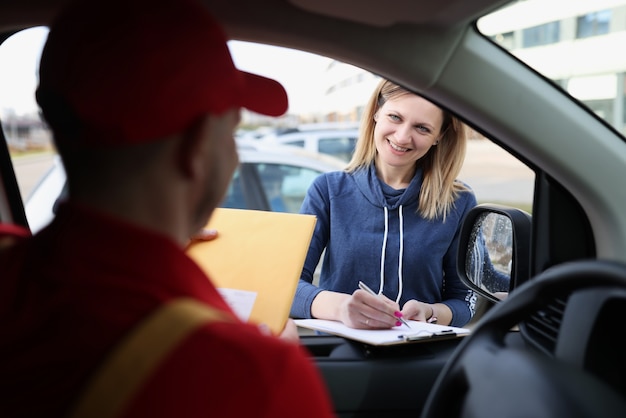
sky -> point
(294, 69)
(19, 56)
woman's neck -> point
(396, 177)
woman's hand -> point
(366, 311)
(427, 312)
(418, 311)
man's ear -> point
(191, 149)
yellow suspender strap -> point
(130, 363)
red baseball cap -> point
(136, 70)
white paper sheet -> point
(420, 331)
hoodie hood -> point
(370, 186)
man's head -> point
(135, 70)
(143, 98)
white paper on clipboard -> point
(420, 331)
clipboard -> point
(419, 332)
(256, 261)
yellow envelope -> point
(256, 261)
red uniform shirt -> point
(71, 292)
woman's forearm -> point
(327, 305)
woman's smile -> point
(397, 147)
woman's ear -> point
(441, 136)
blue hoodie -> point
(361, 220)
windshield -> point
(576, 44)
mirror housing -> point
(494, 250)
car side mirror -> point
(494, 250)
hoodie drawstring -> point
(400, 256)
(382, 255)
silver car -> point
(269, 177)
(336, 142)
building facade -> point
(538, 32)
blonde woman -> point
(391, 220)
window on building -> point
(548, 33)
(593, 24)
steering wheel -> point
(495, 373)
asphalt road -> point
(494, 175)
(30, 169)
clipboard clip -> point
(424, 334)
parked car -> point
(268, 178)
(549, 343)
(336, 142)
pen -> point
(371, 292)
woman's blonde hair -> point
(441, 165)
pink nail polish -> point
(398, 314)
(398, 323)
